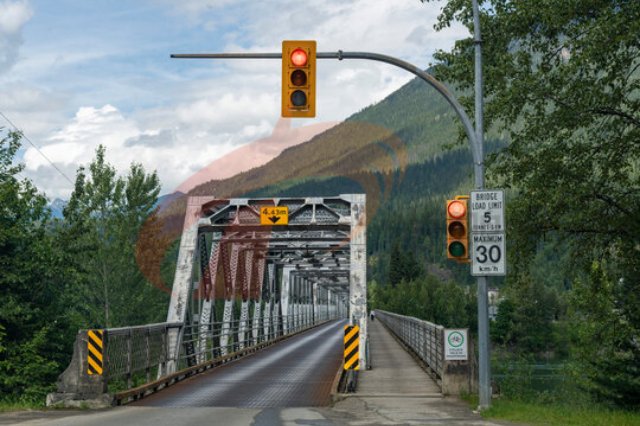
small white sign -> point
(488, 254)
(455, 344)
(487, 211)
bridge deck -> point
(296, 372)
(394, 371)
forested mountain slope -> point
(403, 152)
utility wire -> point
(15, 128)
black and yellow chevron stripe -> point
(351, 347)
(94, 353)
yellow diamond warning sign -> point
(274, 216)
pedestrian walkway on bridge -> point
(398, 391)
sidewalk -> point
(397, 391)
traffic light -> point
(457, 229)
(298, 78)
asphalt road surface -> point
(297, 372)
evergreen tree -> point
(102, 222)
(33, 326)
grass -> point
(539, 413)
(20, 405)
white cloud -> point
(13, 16)
(177, 116)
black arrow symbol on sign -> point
(274, 219)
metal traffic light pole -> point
(475, 137)
(340, 55)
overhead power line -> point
(37, 148)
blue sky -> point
(77, 73)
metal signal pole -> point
(484, 358)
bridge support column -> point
(207, 313)
(244, 307)
(277, 313)
(270, 294)
(315, 301)
(257, 293)
(231, 269)
(182, 281)
(309, 302)
(295, 301)
(358, 273)
(285, 300)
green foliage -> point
(31, 332)
(562, 80)
(526, 315)
(554, 414)
(99, 235)
(607, 348)
(403, 266)
(445, 303)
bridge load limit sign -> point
(272, 215)
(487, 233)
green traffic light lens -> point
(298, 78)
(298, 98)
(456, 249)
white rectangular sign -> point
(456, 344)
(487, 211)
(488, 251)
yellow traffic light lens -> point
(298, 78)
(299, 57)
(457, 230)
(457, 249)
(457, 209)
(298, 98)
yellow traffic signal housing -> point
(298, 78)
(458, 229)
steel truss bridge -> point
(239, 286)
(279, 278)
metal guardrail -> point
(202, 343)
(133, 350)
(424, 338)
(135, 356)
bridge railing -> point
(425, 338)
(202, 343)
(136, 353)
(113, 360)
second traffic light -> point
(298, 78)
(457, 230)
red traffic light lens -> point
(299, 57)
(456, 209)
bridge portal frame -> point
(319, 256)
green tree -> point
(102, 222)
(607, 351)
(403, 266)
(562, 81)
(31, 331)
